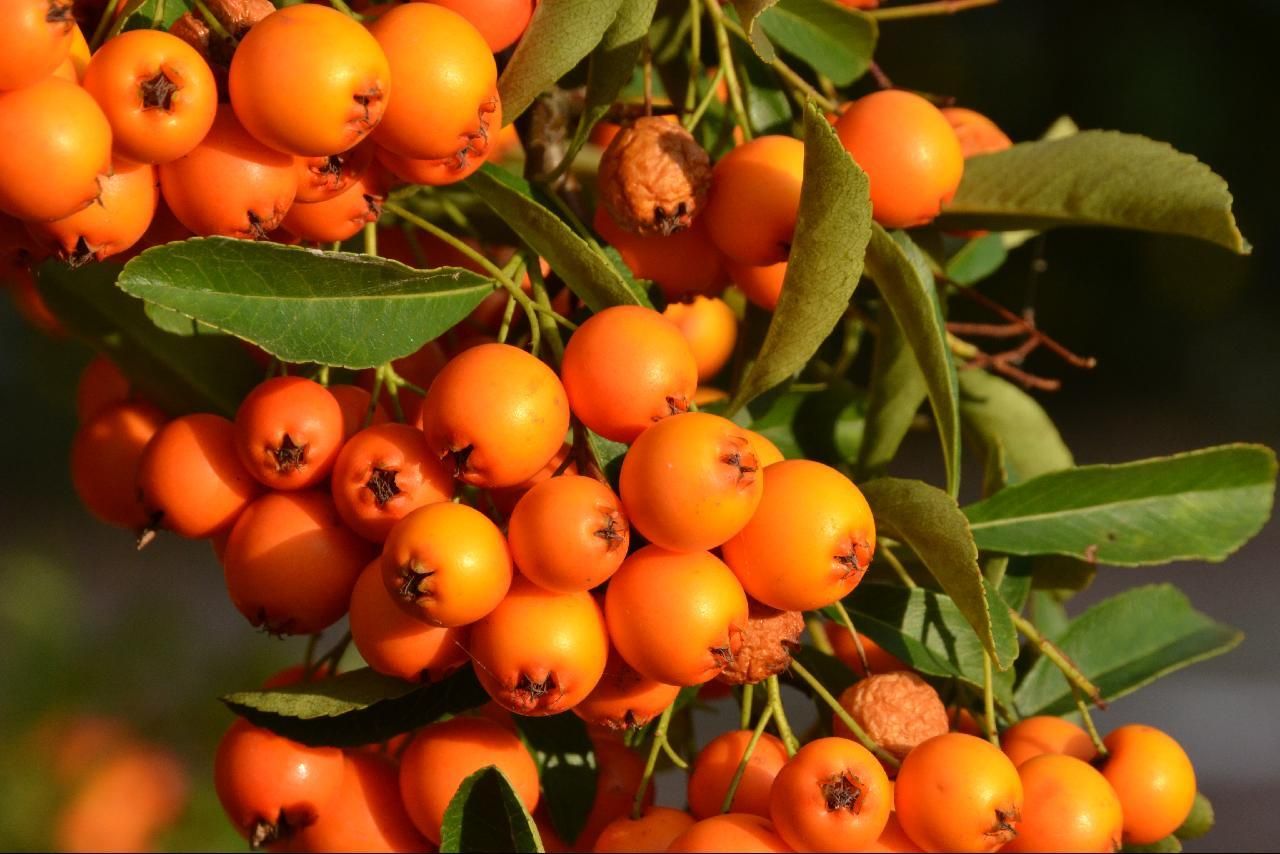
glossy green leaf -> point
(608, 455)
(894, 397)
(767, 102)
(559, 36)
(902, 274)
(929, 521)
(357, 707)
(825, 262)
(1201, 505)
(566, 766)
(1124, 643)
(749, 12)
(977, 259)
(205, 373)
(304, 305)
(486, 815)
(996, 412)
(832, 39)
(1097, 178)
(587, 273)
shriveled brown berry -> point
(897, 710)
(236, 17)
(767, 642)
(654, 177)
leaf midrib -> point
(165, 289)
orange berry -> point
(675, 617)
(538, 652)
(395, 643)
(710, 328)
(72, 68)
(568, 534)
(976, 133)
(289, 432)
(1035, 736)
(833, 795)
(715, 765)
(100, 385)
(909, 152)
(691, 482)
(354, 403)
(123, 212)
(341, 217)
(653, 831)
(810, 541)
(623, 699)
(304, 101)
(957, 792)
(106, 454)
(1154, 779)
(626, 368)
(767, 453)
(35, 36)
(444, 754)
(755, 198)
(761, 285)
(682, 265)
(893, 839)
(443, 171)
(366, 815)
(897, 710)
(126, 803)
(322, 178)
(878, 659)
(446, 564)
(501, 22)
(1067, 806)
(498, 413)
(730, 832)
(505, 498)
(384, 472)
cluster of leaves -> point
(171, 316)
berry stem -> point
(100, 31)
(898, 568)
(691, 120)
(646, 72)
(211, 20)
(310, 654)
(730, 72)
(818, 636)
(727, 803)
(800, 87)
(507, 314)
(1059, 659)
(857, 640)
(780, 716)
(347, 10)
(748, 698)
(847, 719)
(922, 10)
(379, 378)
(659, 736)
(1089, 726)
(988, 701)
(695, 61)
(371, 239)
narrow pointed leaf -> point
(1201, 505)
(749, 12)
(566, 766)
(486, 815)
(897, 390)
(831, 39)
(994, 411)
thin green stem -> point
(922, 10)
(212, 21)
(731, 72)
(892, 560)
(801, 87)
(398, 382)
(858, 732)
(546, 315)
(1058, 658)
(310, 654)
(676, 759)
(379, 377)
(780, 716)
(847, 621)
(1089, 726)
(748, 698)
(508, 313)
(322, 375)
(988, 701)
(756, 734)
(691, 120)
(818, 636)
(659, 736)
(104, 23)
(346, 10)
(695, 57)
(371, 239)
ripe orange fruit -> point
(119, 218)
(653, 831)
(366, 814)
(322, 178)
(354, 402)
(730, 832)
(809, 542)
(682, 265)
(538, 652)
(677, 618)
(101, 385)
(897, 710)
(105, 457)
(568, 534)
(446, 77)
(909, 152)
(718, 761)
(395, 643)
(501, 22)
(156, 91)
(290, 563)
(383, 472)
(1032, 737)
(191, 479)
(505, 498)
(340, 217)
(304, 101)
(497, 412)
(761, 285)
(440, 172)
(626, 368)
(269, 786)
(833, 795)
(624, 699)
(73, 67)
(755, 198)
(958, 793)
(710, 328)
(976, 133)
(230, 184)
(767, 453)
(1068, 806)
(1154, 779)
(878, 659)
(444, 754)
(446, 564)
(35, 37)
(289, 432)
(691, 482)
(893, 839)
(57, 143)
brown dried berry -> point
(236, 17)
(897, 710)
(767, 641)
(654, 177)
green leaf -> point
(1169, 845)
(894, 397)
(1099, 178)
(996, 412)
(566, 766)
(154, 14)
(1199, 821)
(179, 374)
(357, 707)
(749, 12)
(825, 261)
(486, 815)
(304, 305)
(977, 259)
(833, 40)
(587, 273)
(1124, 643)
(902, 273)
(559, 36)
(608, 454)
(930, 522)
(766, 100)
(1201, 505)
(611, 66)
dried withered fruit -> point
(897, 710)
(767, 642)
(654, 177)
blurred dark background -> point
(1185, 335)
